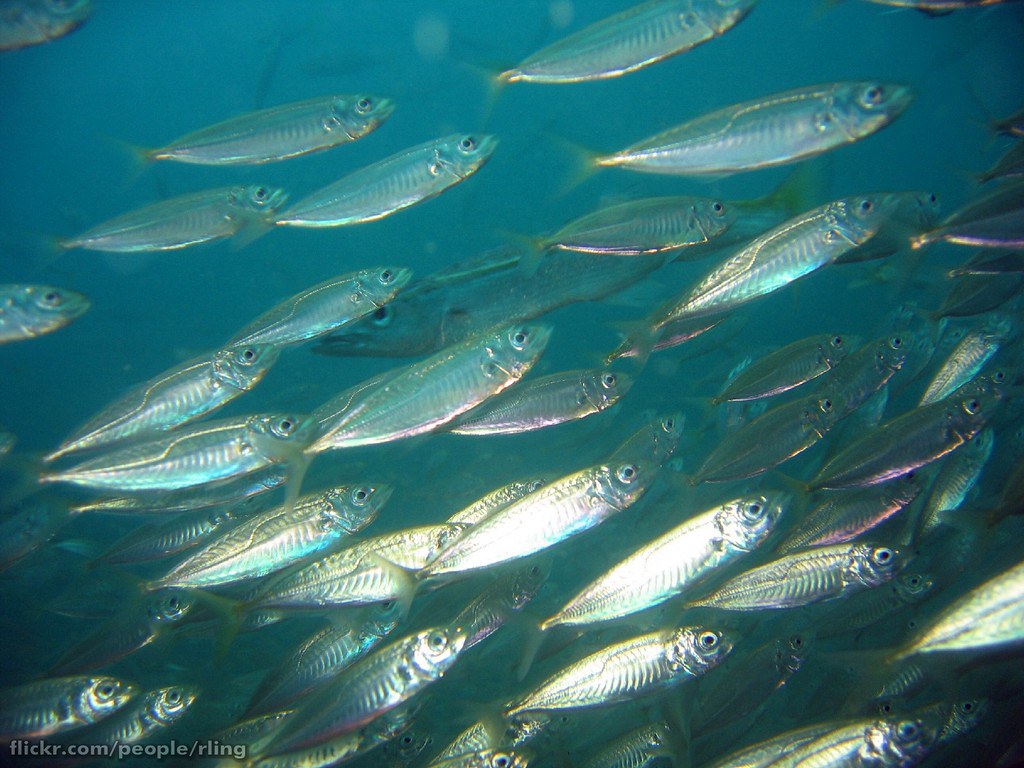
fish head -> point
(603, 388)
(168, 606)
(168, 704)
(52, 308)
(858, 219)
(465, 154)
(104, 696)
(906, 741)
(526, 583)
(356, 116)
(860, 109)
(351, 509)
(243, 366)
(513, 351)
(622, 484)
(654, 442)
(279, 435)
(711, 217)
(836, 347)
(891, 351)
(695, 650)
(963, 717)
(383, 618)
(821, 412)
(258, 199)
(435, 650)
(748, 521)
(396, 329)
(381, 285)
(911, 587)
(721, 15)
(876, 565)
(971, 412)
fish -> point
(493, 500)
(29, 311)
(195, 456)
(281, 132)
(868, 608)
(632, 39)
(766, 132)
(26, 529)
(176, 397)
(31, 22)
(325, 307)
(636, 749)
(492, 608)
(149, 714)
(674, 562)
(156, 540)
(907, 214)
(412, 176)
(955, 480)
(462, 300)
(180, 222)
(787, 368)
(974, 294)
(994, 220)
(810, 576)
(988, 616)
(427, 395)
(47, 707)
(1011, 164)
(273, 540)
(968, 358)
(627, 670)
(545, 402)
(986, 262)
(645, 226)
(880, 742)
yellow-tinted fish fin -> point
(251, 231)
(139, 157)
(582, 162)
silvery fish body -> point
(280, 132)
(373, 686)
(462, 300)
(673, 562)
(27, 311)
(205, 453)
(638, 748)
(544, 402)
(844, 517)
(30, 22)
(321, 658)
(175, 397)
(191, 219)
(968, 358)
(496, 499)
(774, 130)
(630, 40)
(325, 307)
(911, 440)
(810, 576)
(273, 540)
(907, 215)
(866, 371)
(152, 712)
(627, 670)
(404, 179)
(787, 368)
(778, 257)
(549, 515)
(650, 225)
(24, 531)
(1011, 164)
(765, 753)
(429, 394)
(493, 607)
(995, 220)
(56, 705)
(955, 479)
(864, 744)
(171, 537)
(988, 616)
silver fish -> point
(171, 537)
(148, 714)
(545, 402)
(628, 669)
(494, 500)
(636, 749)
(787, 368)
(955, 479)
(28, 311)
(407, 178)
(56, 705)
(630, 40)
(774, 130)
(280, 132)
(428, 394)
(995, 220)
(673, 562)
(175, 397)
(325, 307)
(180, 222)
(30, 22)
(882, 743)
(205, 453)
(968, 358)
(810, 576)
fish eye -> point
(972, 406)
(519, 339)
(248, 355)
(882, 556)
(668, 424)
(436, 641)
(895, 342)
(364, 105)
(360, 495)
(173, 603)
(534, 571)
(865, 206)
(608, 380)
(260, 193)
(872, 96)
(174, 696)
(825, 406)
(387, 276)
(285, 427)
(627, 473)
(966, 706)
(717, 207)
(796, 642)
(707, 640)
(907, 730)
(106, 690)
(52, 298)
(932, 198)
(468, 144)
(754, 510)
(998, 377)
(885, 707)
(500, 761)
(837, 341)
(914, 581)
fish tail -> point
(139, 157)
(638, 340)
(251, 231)
(583, 162)
(531, 645)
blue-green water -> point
(145, 73)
